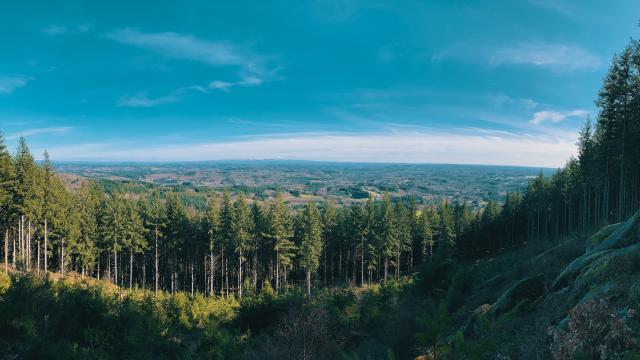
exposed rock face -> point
(608, 273)
(611, 263)
(616, 236)
(529, 288)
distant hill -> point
(344, 181)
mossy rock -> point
(575, 268)
(624, 234)
(493, 282)
(474, 324)
(608, 274)
(597, 238)
(529, 288)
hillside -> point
(342, 182)
(578, 296)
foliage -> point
(595, 330)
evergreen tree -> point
(279, 229)
(311, 242)
(242, 228)
(212, 229)
(387, 232)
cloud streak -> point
(556, 116)
(61, 30)
(556, 56)
(141, 99)
(226, 86)
(41, 131)
(9, 84)
(188, 47)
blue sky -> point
(492, 82)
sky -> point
(504, 82)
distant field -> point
(345, 182)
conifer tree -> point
(311, 242)
(279, 230)
(242, 227)
(212, 228)
(134, 235)
(387, 231)
(7, 190)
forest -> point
(249, 274)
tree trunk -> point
(212, 275)
(277, 271)
(386, 263)
(222, 272)
(240, 275)
(62, 258)
(156, 262)
(38, 257)
(255, 269)
(361, 261)
(130, 269)
(192, 278)
(46, 245)
(6, 250)
(226, 277)
(115, 266)
(309, 283)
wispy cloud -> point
(556, 116)
(403, 147)
(559, 6)
(41, 131)
(61, 30)
(141, 99)
(557, 56)
(188, 47)
(225, 86)
(54, 30)
(553, 56)
(9, 84)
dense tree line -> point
(233, 244)
(600, 186)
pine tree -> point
(242, 227)
(87, 201)
(154, 218)
(134, 234)
(279, 229)
(311, 242)
(329, 234)
(226, 235)
(212, 229)
(360, 226)
(447, 234)
(7, 190)
(175, 237)
(427, 229)
(388, 233)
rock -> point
(493, 282)
(529, 288)
(624, 234)
(575, 268)
(597, 238)
(608, 273)
(471, 329)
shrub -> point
(595, 331)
